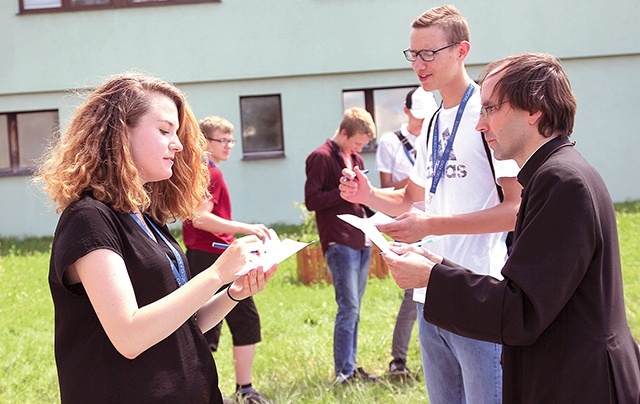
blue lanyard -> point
(439, 165)
(180, 273)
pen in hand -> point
(365, 171)
(223, 246)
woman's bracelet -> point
(231, 297)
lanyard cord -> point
(179, 273)
(439, 165)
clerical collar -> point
(539, 147)
(540, 156)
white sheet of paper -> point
(274, 251)
(368, 227)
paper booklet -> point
(274, 251)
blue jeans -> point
(349, 269)
(458, 369)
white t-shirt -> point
(467, 185)
(391, 157)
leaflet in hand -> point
(274, 251)
(368, 227)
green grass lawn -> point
(294, 362)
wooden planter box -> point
(312, 267)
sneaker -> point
(251, 397)
(342, 379)
(398, 367)
(358, 374)
(361, 374)
(398, 371)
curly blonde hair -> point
(93, 155)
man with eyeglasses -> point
(213, 224)
(560, 309)
(455, 175)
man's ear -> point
(534, 117)
(464, 49)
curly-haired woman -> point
(128, 318)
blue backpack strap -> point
(408, 149)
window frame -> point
(369, 106)
(264, 154)
(14, 168)
(66, 5)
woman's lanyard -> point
(439, 165)
(180, 273)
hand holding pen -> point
(347, 179)
(238, 255)
(224, 246)
(354, 185)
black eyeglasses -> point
(486, 110)
(224, 142)
(426, 54)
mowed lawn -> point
(294, 362)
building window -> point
(30, 6)
(261, 119)
(23, 138)
(386, 106)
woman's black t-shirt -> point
(178, 369)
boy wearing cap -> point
(395, 157)
(396, 151)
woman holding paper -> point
(128, 316)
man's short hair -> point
(358, 121)
(448, 18)
(536, 82)
(213, 123)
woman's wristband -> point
(231, 297)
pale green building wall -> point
(308, 51)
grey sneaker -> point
(399, 371)
(398, 367)
(251, 397)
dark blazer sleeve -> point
(553, 248)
